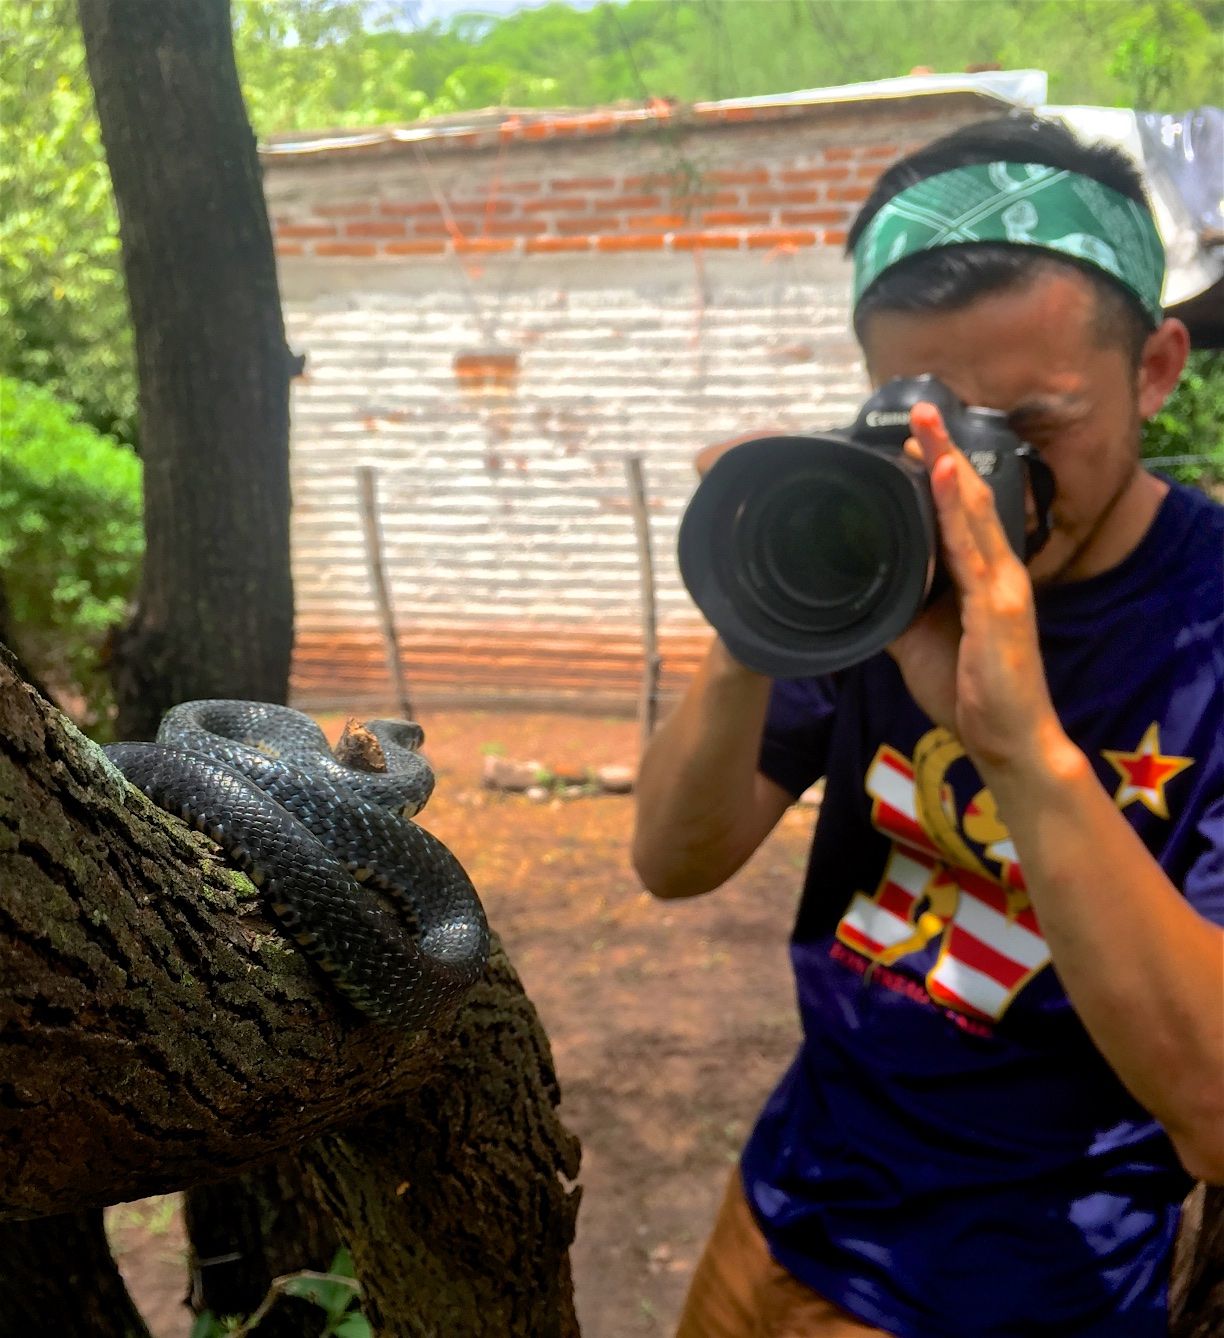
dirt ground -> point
(669, 1021)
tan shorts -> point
(739, 1292)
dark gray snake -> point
(328, 844)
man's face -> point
(1036, 353)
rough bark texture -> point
(60, 1279)
(246, 1231)
(214, 615)
(1197, 1309)
(155, 1033)
(442, 1177)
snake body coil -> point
(319, 837)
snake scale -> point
(376, 901)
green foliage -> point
(1192, 423)
(320, 64)
(311, 65)
(335, 1294)
(71, 539)
(64, 320)
(315, 64)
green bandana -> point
(1027, 204)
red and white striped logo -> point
(991, 945)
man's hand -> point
(972, 660)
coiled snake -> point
(319, 837)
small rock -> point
(503, 773)
(615, 779)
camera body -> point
(809, 554)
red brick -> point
(596, 123)
(609, 203)
(791, 217)
(547, 244)
(783, 197)
(834, 236)
(700, 241)
(384, 227)
(640, 241)
(289, 249)
(651, 181)
(558, 202)
(815, 174)
(840, 153)
(515, 227)
(735, 217)
(853, 193)
(483, 245)
(361, 250)
(467, 207)
(756, 176)
(882, 151)
(583, 183)
(410, 208)
(308, 230)
(725, 199)
(782, 237)
(579, 223)
(649, 222)
(414, 248)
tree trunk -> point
(246, 1231)
(156, 1033)
(1197, 1309)
(60, 1279)
(214, 613)
(215, 607)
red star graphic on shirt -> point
(1146, 772)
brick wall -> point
(494, 318)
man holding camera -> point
(1008, 955)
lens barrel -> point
(809, 554)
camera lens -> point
(808, 554)
(818, 552)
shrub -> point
(1192, 423)
(71, 539)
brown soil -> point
(669, 1021)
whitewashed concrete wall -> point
(509, 539)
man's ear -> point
(1160, 365)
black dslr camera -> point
(808, 554)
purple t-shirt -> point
(949, 1155)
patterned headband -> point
(1026, 204)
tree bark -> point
(246, 1231)
(156, 1033)
(62, 1280)
(1197, 1308)
(214, 612)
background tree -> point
(214, 609)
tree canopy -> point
(320, 64)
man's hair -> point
(949, 277)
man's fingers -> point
(967, 514)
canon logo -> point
(878, 418)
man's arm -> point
(702, 805)
(1144, 971)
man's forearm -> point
(1143, 970)
(702, 808)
